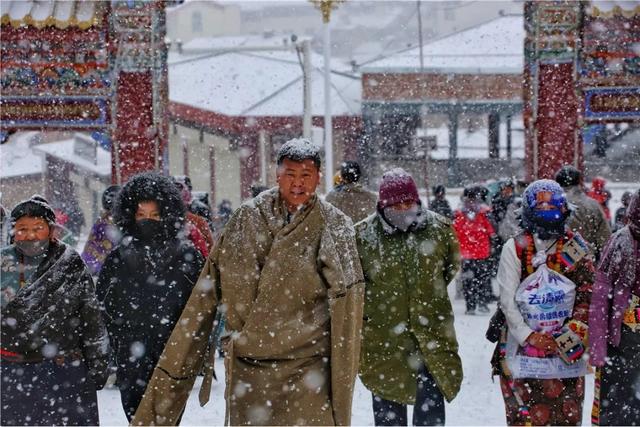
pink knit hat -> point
(397, 186)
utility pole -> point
(423, 110)
(326, 6)
(420, 37)
(306, 71)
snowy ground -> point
(479, 401)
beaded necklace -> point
(21, 268)
(530, 251)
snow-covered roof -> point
(495, 47)
(257, 84)
(66, 150)
(174, 7)
(41, 13)
(231, 42)
(608, 8)
(17, 157)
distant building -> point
(231, 111)
(471, 79)
(76, 167)
(361, 30)
(55, 165)
(193, 19)
(20, 169)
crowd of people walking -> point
(303, 293)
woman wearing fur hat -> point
(146, 280)
(54, 343)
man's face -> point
(31, 228)
(404, 206)
(506, 192)
(297, 182)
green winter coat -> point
(408, 319)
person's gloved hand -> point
(543, 342)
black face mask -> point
(32, 248)
(148, 230)
(549, 231)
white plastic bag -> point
(552, 367)
(546, 300)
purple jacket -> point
(617, 277)
(103, 238)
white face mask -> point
(402, 220)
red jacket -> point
(602, 197)
(197, 239)
(474, 234)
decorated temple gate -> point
(96, 67)
(582, 68)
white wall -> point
(227, 162)
(215, 20)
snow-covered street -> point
(479, 401)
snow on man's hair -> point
(299, 149)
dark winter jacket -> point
(55, 313)
(144, 284)
(442, 207)
(144, 288)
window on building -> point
(196, 22)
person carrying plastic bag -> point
(545, 277)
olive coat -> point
(408, 318)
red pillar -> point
(551, 104)
(557, 119)
(249, 163)
(134, 135)
(140, 134)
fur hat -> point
(150, 186)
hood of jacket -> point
(150, 186)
